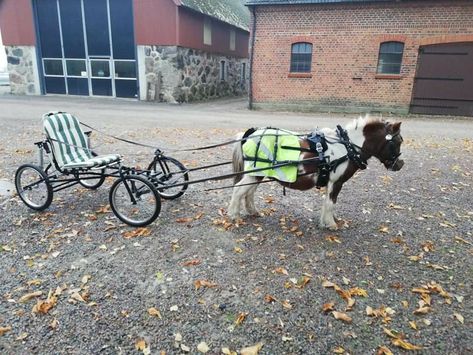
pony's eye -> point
(389, 137)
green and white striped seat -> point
(70, 145)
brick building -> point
(163, 50)
(340, 55)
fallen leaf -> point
(405, 345)
(339, 350)
(238, 250)
(43, 306)
(328, 284)
(286, 304)
(383, 350)
(342, 316)
(137, 232)
(28, 296)
(383, 229)
(178, 337)
(413, 325)
(204, 283)
(391, 334)
(227, 351)
(304, 280)
(422, 310)
(54, 323)
(285, 338)
(3, 330)
(22, 336)
(332, 239)
(241, 318)
(269, 299)
(251, 350)
(154, 312)
(174, 308)
(459, 317)
(192, 262)
(405, 304)
(328, 307)
(281, 270)
(203, 347)
(185, 348)
(86, 279)
(357, 291)
(184, 220)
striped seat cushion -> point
(69, 143)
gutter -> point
(252, 52)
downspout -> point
(252, 51)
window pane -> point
(100, 69)
(390, 57)
(125, 69)
(302, 48)
(53, 67)
(301, 62)
(76, 68)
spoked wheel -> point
(33, 187)
(135, 200)
(92, 181)
(170, 172)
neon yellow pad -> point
(266, 150)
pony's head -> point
(383, 140)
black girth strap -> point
(353, 154)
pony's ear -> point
(396, 127)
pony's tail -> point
(237, 159)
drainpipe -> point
(252, 51)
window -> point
(53, 67)
(390, 57)
(223, 70)
(100, 68)
(125, 69)
(243, 72)
(301, 57)
(76, 68)
(232, 40)
(207, 31)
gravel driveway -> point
(75, 281)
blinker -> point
(389, 137)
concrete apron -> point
(7, 189)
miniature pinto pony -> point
(346, 151)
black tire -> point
(93, 184)
(25, 188)
(139, 187)
(171, 171)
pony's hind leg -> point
(327, 219)
(250, 199)
(240, 192)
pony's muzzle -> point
(398, 164)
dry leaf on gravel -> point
(422, 310)
(227, 351)
(184, 220)
(204, 283)
(141, 345)
(43, 306)
(28, 296)
(4, 330)
(342, 316)
(405, 345)
(459, 317)
(241, 318)
(357, 291)
(154, 312)
(281, 270)
(286, 304)
(413, 325)
(384, 350)
(302, 281)
(328, 284)
(203, 347)
(391, 333)
(192, 262)
(269, 299)
(137, 232)
(328, 307)
(251, 350)
(22, 336)
(339, 350)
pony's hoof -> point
(254, 214)
(234, 217)
(329, 226)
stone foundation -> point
(22, 67)
(176, 74)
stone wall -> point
(23, 70)
(176, 74)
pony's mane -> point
(362, 121)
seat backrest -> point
(68, 141)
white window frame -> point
(207, 31)
(76, 76)
(232, 39)
(110, 69)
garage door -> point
(444, 80)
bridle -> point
(394, 157)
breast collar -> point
(353, 150)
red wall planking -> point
(13, 13)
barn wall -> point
(346, 40)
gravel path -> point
(195, 278)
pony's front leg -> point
(250, 201)
(327, 219)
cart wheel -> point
(90, 182)
(171, 171)
(33, 187)
(135, 200)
